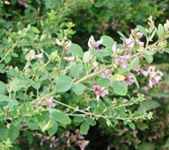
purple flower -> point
(99, 91)
(154, 78)
(153, 74)
(129, 43)
(122, 61)
(129, 79)
(92, 44)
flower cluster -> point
(122, 61)
(68, 86)
(99, 91)
(154, 76)
(133, 40)
(130, 79)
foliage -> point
(51, 85)
(89, 16)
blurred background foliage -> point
(78, 19)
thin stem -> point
(89, 76)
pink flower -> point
(93, 44)
(153, 74)
(122, 61)
(48, 102)
(129, 43)
(99, 91)
(154, 78)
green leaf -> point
(32, 123)
(78, 120)
(148, 105)
(87, 56)
(45, 125)
(131, 125)
(146, 146)
(166, 145)
(119, 88)
(133, 64)
(75, 50)
(53, 129)
(17, 84)
(99, 107)
(160, 31)
(59, 117)
(107, 41)
(84, 128)
(142, 29)
(108, 123)
(76, 70)
(91, 121)
(13, 131)
(51, 4)
(3, 132)
(103, 82)
(78, 89)
(2, 88)
(63, 84)
(5, 100)
(148, 56)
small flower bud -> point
(114, 48)
(166, 25)
(70, 58)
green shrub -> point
(51, 85)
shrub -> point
(51, 85)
